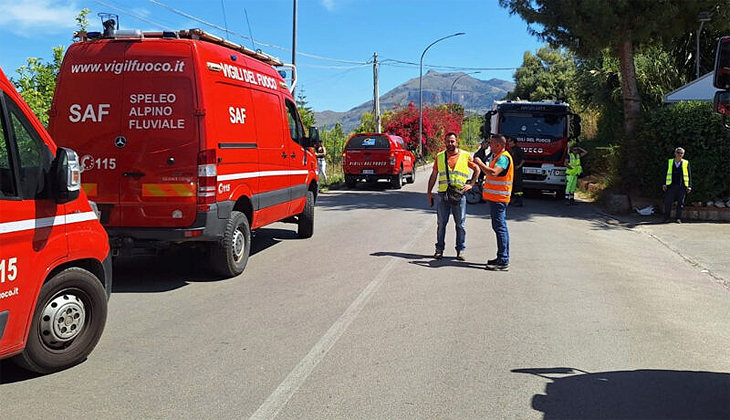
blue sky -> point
(343, 33)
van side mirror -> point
(575, 126)
(722, 64)
(721, 105)
(313, 137)
(67, 175)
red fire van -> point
(55, 265)
(375, 156)
(184, 138)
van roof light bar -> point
(204, 36)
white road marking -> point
(283, 393)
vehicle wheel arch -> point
(245, 206)
(89, 264)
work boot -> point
(438, 254)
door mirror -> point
(575, 126)
(721, 103)
(722, 64)
(67, 175)
(313, 137)
(487, 126)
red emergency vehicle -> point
(542, 130)
(374, 156)
(55, 265)
(184, 138)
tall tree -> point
(305, 111)
(588, 27)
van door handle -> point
(134, 174)
(283, 154)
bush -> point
(694, 127)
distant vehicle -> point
(186, 139)
(55, 265)
(374, 156)
(721, 103)
(542, 130)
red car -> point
(55, 265)
(374, 156)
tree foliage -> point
(305, 111)
(547, 75)
(437, 121)
(36, 82)
(589, 27)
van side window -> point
(7, 181)
(35, 157)
(295, 126)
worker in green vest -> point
(574, 169)
(677, 184)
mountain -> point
(475, 95)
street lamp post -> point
(451, 98)
(420, 93)
(703, 17)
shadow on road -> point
(11, 373)
(632, 394)
(428, 261)
(178, 268)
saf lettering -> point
(89, 113)
(238, 115)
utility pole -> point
(294, 40)
(376, 94)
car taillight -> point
(207, 178)
(392, 159)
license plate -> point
(368, 172)
(531, 171)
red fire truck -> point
(542, 130)
(55, 265)
(185, 138)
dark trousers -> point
(674, 193)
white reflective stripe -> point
(457, 173)
(498, 182)
(244, 175)
(497, 192)
(67, 219)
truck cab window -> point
(35, 157)
(295, 126)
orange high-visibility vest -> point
(499, 188)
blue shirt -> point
(502, 162)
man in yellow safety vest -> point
(677, 184)
(451, 167)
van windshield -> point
(518, 124)
(368, 143)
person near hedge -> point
(321, 153)
(573, 170)
(518, 156)
(459, 162)
(497, 192)
(678, 183)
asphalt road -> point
(594, 320)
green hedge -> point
(696, 128)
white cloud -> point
(28, 17)
(329, 5)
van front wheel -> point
(67, 323)
(230, 255)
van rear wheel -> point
(67, 323)
(350, 181)
(230, 255)
(305, 228)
